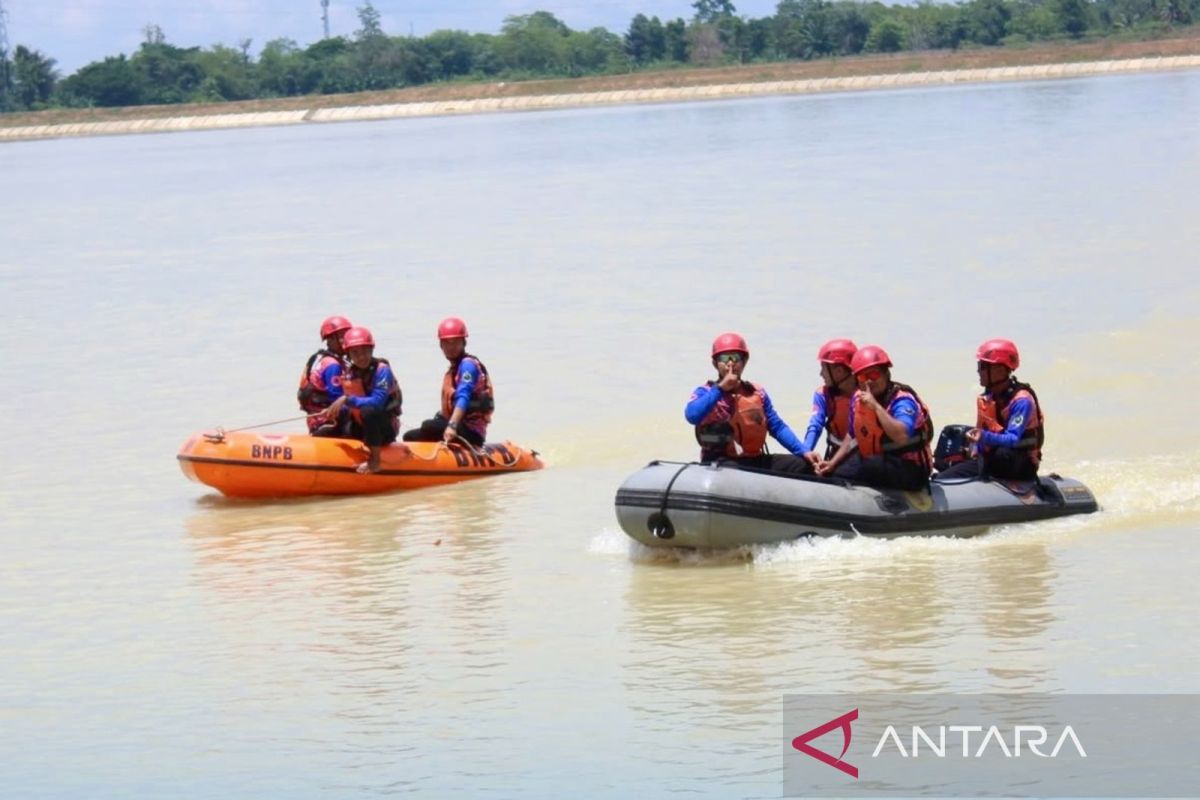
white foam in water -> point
(1131, 493)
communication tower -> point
(325, 16)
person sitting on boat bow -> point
(467, 397)
(892, 429)
(321, 381)
(831, 401)
(1009, 428)
(371, 397)
(733, 417)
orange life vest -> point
(482, 402)
(354, 384)
(872, 440)
(311, 395)
(837, 419)
(737, 425)
(993, 414)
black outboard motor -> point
(952, 447)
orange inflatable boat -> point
(247, 464)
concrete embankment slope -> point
(620, 97)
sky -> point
(78, 32)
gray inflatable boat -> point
(673, 504)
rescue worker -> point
(467, 399)
(371, 397)
(321, 381)
(831, 401)
(733, 417)
(1009, 428)
(891, 427)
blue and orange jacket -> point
(320, 384)
(903, 403)
(835, 423)
(731, 424)
(373, 387)
(468, 386)
(1011, 419)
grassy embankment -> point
(1181, 42)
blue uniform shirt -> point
(468, 378)
(331, 377)
(378, 394)
(1020, 411)
(816, 423)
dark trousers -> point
(1005, 463)
(884, 472)
(378, 427)
(789, 464)
(432, 430)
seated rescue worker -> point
(1009, 428)
(467, 400)
(831, 401)
(733, 417)
(371, 396)
(321, 381)
(892, 429)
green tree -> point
(595, 51)
(646, 40)
(1032, 20)
(452, 53)
(712, 11)
(284, 71)
(987, 20)
(369, 19)
(111, 82)
(6, 101)
(675, 34)
(886, 36)
(33, 77)
(170, 74)
(1072, 16)
(534, 43)
(848, 28)
(228, 75)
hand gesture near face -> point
(867, 397)
(730, 380)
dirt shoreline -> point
(643, 86)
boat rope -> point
(659, 523)
(219, 434)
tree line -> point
(539, 45)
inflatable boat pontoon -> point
(672, 504)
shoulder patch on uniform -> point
(1018, 419)
(466, 377)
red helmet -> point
(837, 351)
(358, 337)
(870, 356)
(452, 328)
(730, 343)
(334, 325)
(999, 351)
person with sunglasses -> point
(733, 417)
(1009, 428)
(831, 401)
(892, 429)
